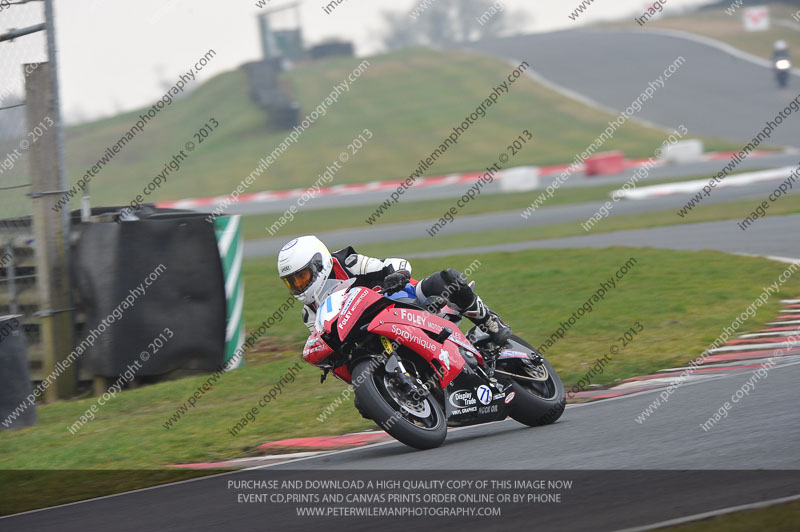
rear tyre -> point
(417, 423)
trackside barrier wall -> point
(15, 380)
(188, 297)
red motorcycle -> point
(415, 373)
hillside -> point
(410, 101)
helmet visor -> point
(299, 281)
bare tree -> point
(443, 22)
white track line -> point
(690, 187)
(784, 361)
(754, 347)
(272, 457)
(774, 334)
(787, 260)
(713, 513)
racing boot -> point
(488, 321)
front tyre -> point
(418, 423)
(537, 402)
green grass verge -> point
(407, 99)
(682, 299)
(779, 518)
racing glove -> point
(396, 281)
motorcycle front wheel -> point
(415, 421)
(540, 397)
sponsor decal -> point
(351, 311)
(498, 396)
(419, 320)
(488, 409)
(314, 349)
(508, 353)
(468, 410)
(412, 317)
(462, 399)
(484, 394)
(387, 345)
(289, 245)
(286, 268)
(444, 357)
(406, 335)
(510, 397)
(312, 346)
(350, 299)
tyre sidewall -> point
(535, 411)
(375, 406)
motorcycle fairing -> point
(429, 322)
(448, 361)
(464, 407)
(358, 300)
(316, 350)
(343, 374)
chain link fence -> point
(19, 51)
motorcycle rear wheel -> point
(420, 424)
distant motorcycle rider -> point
(305, 264)
(781, 51)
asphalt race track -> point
(773, 235)
(713, 93)
(761, 432)
(605, 435)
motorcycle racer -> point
(305, 264)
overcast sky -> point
(115, 55)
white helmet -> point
(304, 264)
(780, 45)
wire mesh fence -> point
(20, 51)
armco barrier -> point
(188, 297)
(15, 381)
(612, 162)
